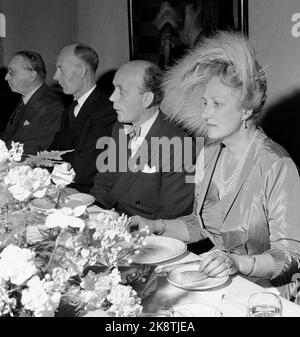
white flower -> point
(16, 151)
(96, 287)
(24, 182)
(125, 302)
(4, 155)
(60, 278)
(41, 182)
(116, 244)
(17, 264)
(40, 298)
(63, 175)
(65, 217)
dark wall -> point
(282, 124)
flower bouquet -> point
(74, 270)
(74, 265)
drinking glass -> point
(164, 311)
(229, 308)
(264, 304)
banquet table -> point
(236, 291)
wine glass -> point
(264, 304)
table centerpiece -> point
(77, 265)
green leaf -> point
(45, 158)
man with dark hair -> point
(89, 117)
(37, 117)
(147, 186)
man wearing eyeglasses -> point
(89, 117)
(37, 117)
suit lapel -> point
(127, 179)
(14, 121)
(146, 144)
(32, 105)
(87, 108)
(24, 112)
(73, 126)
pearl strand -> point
(237, 170)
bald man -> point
(89, 117)
(146, 187)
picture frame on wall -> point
(161, 31)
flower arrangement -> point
(67, 269)
(76, 264)
(21, 181)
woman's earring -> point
(245, 124)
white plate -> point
(42, 204)
(185, 277)
(195, 310)
(159, 249)
(79, 199)
(76, 199)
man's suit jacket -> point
(95, 119)
(37, 121)
(151, 194)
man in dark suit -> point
(147, 180)
(89, 117)
(37, 117)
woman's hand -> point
(218, 264)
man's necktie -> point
(134, 131)
(74, 104)
(71, 109)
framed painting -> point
(161, 31)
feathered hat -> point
(184, 83)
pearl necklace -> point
(232, 180)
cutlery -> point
(167, 268)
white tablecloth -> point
(236, 290)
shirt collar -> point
(84, 97)
(145, 127)
(27, 97)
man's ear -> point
(83, 70)
(33, 75)
(148, 98)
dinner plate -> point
(188, 277)
(79, 199)
(42, 204)
(74, 200)
(159, 249)
(195, 310)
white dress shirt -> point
(136, 142)
(81, 100)
(27, 97)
